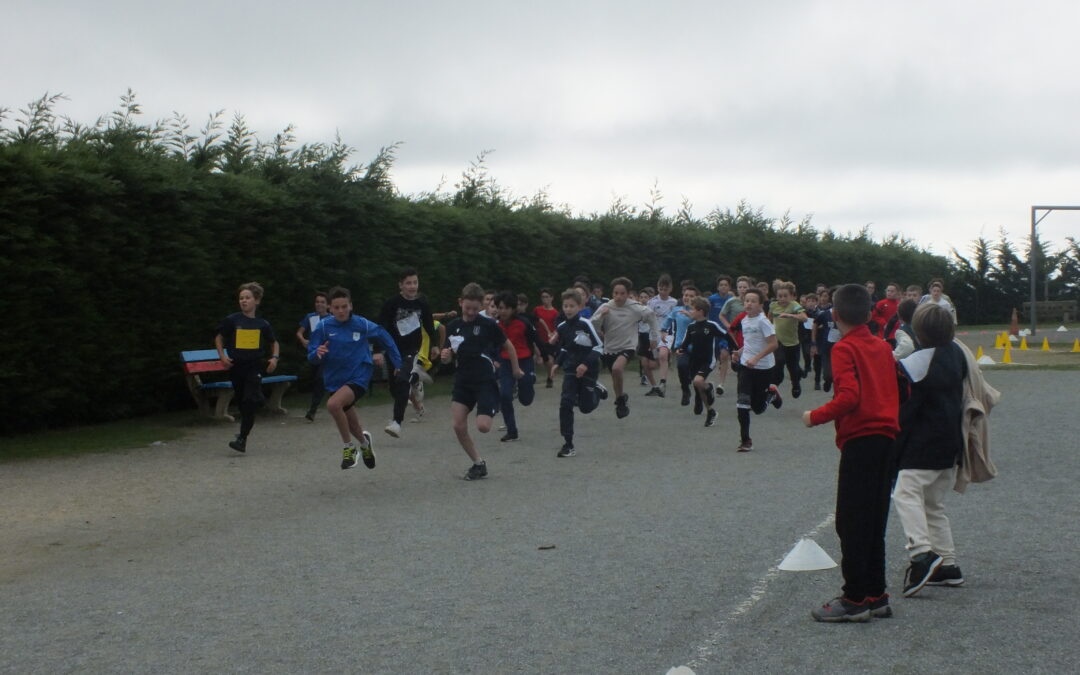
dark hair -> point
(723, 277)
(321, 294)
(340, 292)
(621, 281)
(691, 287)
(506, 299)
(408, 272)
(933, 325)
(686, 282)
(906, 309)
(472, 291)
(581, 278)
(664, 280)
(756, 291)
(701, 303)
(851, 303)
(547, 290)
(522, 298)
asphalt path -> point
(655, 547)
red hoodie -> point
(866, 400)
(883, 311)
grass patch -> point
(108, 437)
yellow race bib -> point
(247, 338)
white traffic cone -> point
(807, 556)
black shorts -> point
(358, 393)
(643, 346)
(484, 396)
(548, 350)
(609, 359)
(702, 369)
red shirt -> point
(866, 400)
(547, 320)
(517, 333)
(883, 311)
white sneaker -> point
(419, 416)
(394, 429)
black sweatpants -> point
(580, 392)
(787, 357)
(862, 511)
(246, 377)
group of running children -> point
(895, 426)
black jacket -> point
(931, 419)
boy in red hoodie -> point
(865, 408)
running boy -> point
(522, 335)
(661, 305)
(406, 317)
(307, 326)
(242, 342)
(702, 343)
(675, 325)
(546, 316)
(786, 315)
(340, 344)
(474, 340)
(617, 321)
(864, 409)
(580, 349)
(756, 361)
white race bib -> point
(455, 342)
(408, 324)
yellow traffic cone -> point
(1023, 344)
(1046, 344)
(1076, 346)
(1008, 355)
(979, 353)
(997, 342)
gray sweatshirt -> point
(619, 325)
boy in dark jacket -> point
(580, 349)
(928, 449)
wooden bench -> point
(200, 362)
(1058, 310)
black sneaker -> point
(879, 607)
(920, 570)
(774, 397)
(603, 392)
(567, 450)
(710, 397)
(239, 444)
(746, 446)
(348, 457)
(509, 437)
(310, 416)
(655, 391)
(699, 405)
(946, 575)
(710, 418)
(817, 386)
(719, 390)
(621, 409)
(841, 609)
(686, 398)
(796, 389)
(827, 386)
(477, 471)
(550, 383)
(644, 381)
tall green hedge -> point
(117, 253)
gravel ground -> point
(654, 547)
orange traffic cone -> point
(1014, 325)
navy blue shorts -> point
(484, 396)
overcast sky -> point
(938, 120)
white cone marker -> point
(807, 556)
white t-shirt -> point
(756, 331)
